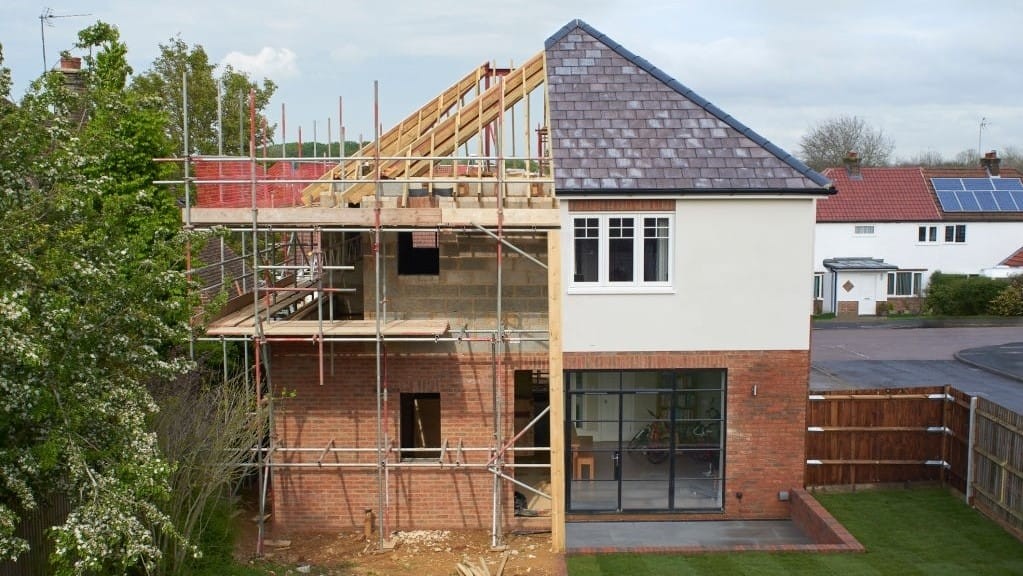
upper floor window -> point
(955, 233)
(927, 234)
(904, 283)
(864, 230)
(622, 250)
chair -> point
(582, 455)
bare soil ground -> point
(419, 553)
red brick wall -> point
(817, 523)
(343, 410)
(848, 309)
(909, 305)
(620, 205)
(766, 433)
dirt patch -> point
(418, 552)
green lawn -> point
(923, 531)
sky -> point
(928, 74)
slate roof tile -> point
(655, 133)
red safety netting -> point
(224, 183)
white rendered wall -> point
(742, 280)
(987, 244)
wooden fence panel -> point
(34, 528)
(998, 465)
(875, 436)
(957, 420)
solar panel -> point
(978, 184)
(1004, 200)
(968, 201)
(1007, 184)
(986, 199)
(947, 183)
(1017, 195)
(948, 200)
(979, 194)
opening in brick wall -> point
(420, 426)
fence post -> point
(969, 450)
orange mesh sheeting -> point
(228, 183)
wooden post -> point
(557, 392)
(367, 525)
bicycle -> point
(653, 440)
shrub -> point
(957, 295)
(1008, 302)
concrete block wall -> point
(465, 290)
(342, 413)
(766, 432)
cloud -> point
(269, 62)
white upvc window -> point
(927, 234)
(628, 251)
(905, 283)
(863, 230)
(818, 285)
(955, 233)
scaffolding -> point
(302, 224)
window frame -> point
(929, 233)
(864, 230)
(955, 234)
(916, 283)
(818, 285)
(620, 228)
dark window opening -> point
(420, 426)
(418, 254)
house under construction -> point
(570, 289)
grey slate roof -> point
(621, 125)
(858, 264)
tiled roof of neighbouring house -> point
(619, 124)
(901, 194)
(1015, 259)
(878, 195)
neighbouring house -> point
(611, 323)
(1011, 266)
(879, 239)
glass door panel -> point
(594, 453)
(697, 479)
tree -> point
(828, 143)
(87, 316)
(165, 82)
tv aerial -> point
(46, 19)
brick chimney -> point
(71, 69)
(852, 165)
(991, 163)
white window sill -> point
(621, 290)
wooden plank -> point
(363, 217)
(556, 391)
(340, 328)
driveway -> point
(880, 356)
